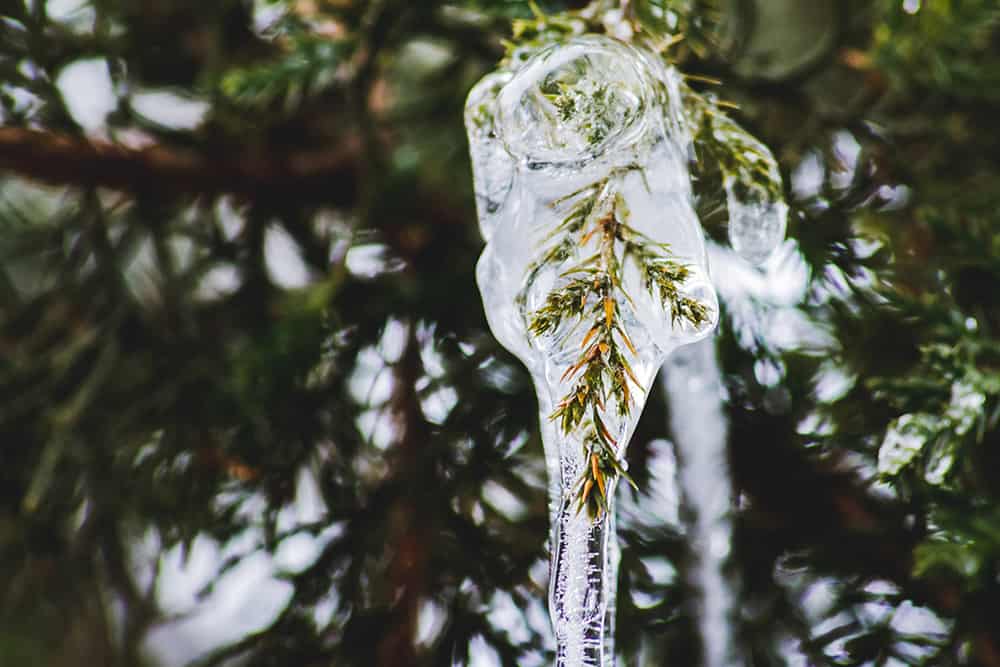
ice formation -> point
(752, 181)
(595, 270)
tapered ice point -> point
(757, 211)
(756, 223)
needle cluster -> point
(597, 226)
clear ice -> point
(580, 158)
(757, 217)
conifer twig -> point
(591, 295)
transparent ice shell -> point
(756, 222)
(589, 117)
(757, 217)
(524, 158)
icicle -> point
(757, 211)
(595, 270)
(756, 223)
(695, 394)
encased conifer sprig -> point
(739, 155)
(591, 295)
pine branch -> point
(603, 371)
(329, 175)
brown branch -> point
(324, 175)
(410, 533)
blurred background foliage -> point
(250, 412)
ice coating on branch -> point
(594, 271)
(904, 441)
(492, 165)
(757, 213)
(635, 141)
(756, 223)
(574, 103)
